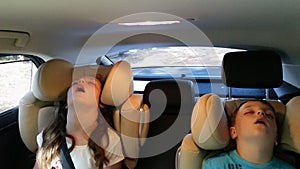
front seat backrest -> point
(170, 103)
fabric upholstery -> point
(189, 155)
(167, 99)
(28, 119)
(170, 103)
(132, 122)
(118, 86)
(52, 80)
(174, 92)
(290, 137)
(209, 123)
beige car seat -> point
(209, 124)
(50, 85)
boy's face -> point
(254, 119)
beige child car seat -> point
(209, 124)
(50, 85)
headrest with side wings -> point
(50, 85)
(210, 128)
(209, 125)
(54, 77)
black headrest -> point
(252, 69)
(175, 93)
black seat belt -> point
(65, 158)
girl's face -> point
(83, 103)
(254, 118)
(84, 92)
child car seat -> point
(209, 128)
(50, 85)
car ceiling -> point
(60, 28)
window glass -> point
(177, 62)
(16, 73)
(182, 56)
(196, 62)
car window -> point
(177, 61)
(182, 56)
(16, 73)
(196, 62)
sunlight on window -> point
(15, 80)
(174, 56)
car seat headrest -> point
(252, 69)
(54, 77)
(290, 136)
(50, 85)
(52, 80)
(209, 125)
(210, 128)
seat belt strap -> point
(66, 160)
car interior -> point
(174, 71)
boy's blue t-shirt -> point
(231, 160)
